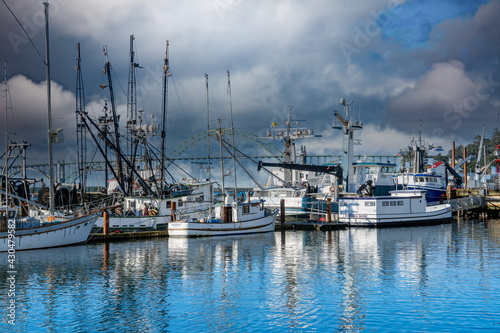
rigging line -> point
(178, 98)
(24, 31)
(9, 101)
(153, 149)
(117, 79)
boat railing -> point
(318, 212)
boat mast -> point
(6, 141)
(133, 128)
(49, 111)
(81, 133)
(107, 70)
(166, 74)
(221, 160)
(232, 134)
(208, 141)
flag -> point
(273, 124)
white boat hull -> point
(74, 231)
(135, 222)
(293, 205)
(401, 208)
(200, 229)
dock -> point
(464, 203)
(311, 225)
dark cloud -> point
(279, 53)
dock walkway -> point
(466, 203)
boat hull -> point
(293, 205)
(74, 231)
(201, 229)
(402, 208)
(387, 221)
(135, 222)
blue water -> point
(443, 278)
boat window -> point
(179, 204)
(385, 203)
(369, 203)
(12, 214)
(246, 209)
(369, 171)
(401, 203)
(393, 203)
(421, 179)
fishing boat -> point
(401, 207)
(417, 178)
(183, 201)
(230, 218)
(296, 188)
(27, 225)
(433, 184)
(28, 233)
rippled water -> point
(443, 278)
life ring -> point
(135, 186)
(332, 189)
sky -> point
(409, 65)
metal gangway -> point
(466, 203)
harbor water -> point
(442, 278)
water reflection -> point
(348, 280)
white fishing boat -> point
(230, 218)
(139, 213)
(296, 188)
(27, 233)
(404, 207)
(22, 225)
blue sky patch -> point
(416, 19)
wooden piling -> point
(282, 211)
(172, 210)
(465, 169)
(328, 210)
(105, 224)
